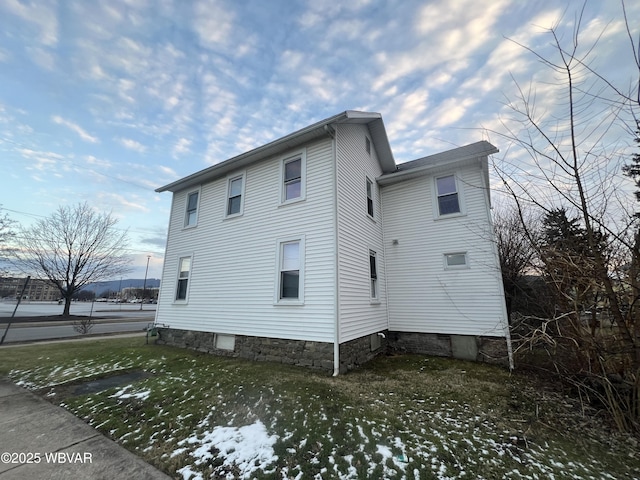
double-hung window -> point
(184, 267)
(290, 282)
(448, 198)
(373, 273)
(293, 178)
(191, 216)
(235, 196)
(370, 197)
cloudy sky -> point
(104, 101)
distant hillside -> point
(115, 285)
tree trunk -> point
(67, 306)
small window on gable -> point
(367, 145)
(184, 267)
(235, 196)
(448, 199)
(191, 216)
(293, 173)
(370, 197)
(454, 261)
(373, 273)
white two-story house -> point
(317, 249)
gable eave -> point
(289, 142)
(439, 162)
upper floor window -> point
(370, 197)
(184, 267)
(448, 199)
(191, 216)
(367, 145)
(293, 178)
(235, 195)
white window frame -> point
(450, 255)
(436, 197)
(188, 279)
(302, 155)
(368, 182)
(186, 209)
(231, 178)
(278, 300)
(374, 282)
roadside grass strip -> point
(197, 416)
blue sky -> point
(104, 101)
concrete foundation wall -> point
(466, 347)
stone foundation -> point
(467, 347)
(319, 355)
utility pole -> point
(14, 310)
(144, 285)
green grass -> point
(398, 417)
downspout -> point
(336, 339)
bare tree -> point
(71, 248)
(517, 253)
(6, 235)
(573, 156)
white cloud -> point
(132, 145)
(91, 160)
(213, 23)
(5, 55)
(121, 203)
(42, 14)
(41, 160)
(181, 147)
(82, 133)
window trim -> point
(230, 178)
(302, 155)
(368, 182)
(277, 300)
(374, 281)
(436, 197)
(446, 256)
(186, 208)
(178, 278)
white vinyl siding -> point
(357, 236)
(232, 289)
(424, 295)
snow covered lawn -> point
(403, 417)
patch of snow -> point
(248, 448)
(122, 395)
